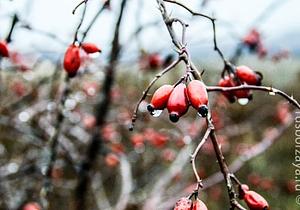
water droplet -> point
(187, 139)
(24, 116)
(70, 104)
(243, 101)
(156, 113)
(271, 93)
(12, 167)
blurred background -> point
(64, 142)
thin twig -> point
(80, 22)
(189, 9)
(270, 90)
(93, 21)
(193, 157)
(102, 111)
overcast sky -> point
(235, 18)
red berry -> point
(183, 204)
(247, 75)
(255, 201)
(177, 104)
(3, 49)
(32, 206)
(154, 60)
(137, 140)
(160, 98)
(227, 82)
(243, 94)
(168, 155)
(90, 48)
(72, 60)
(252, 39)
(111, 160)
(199, 205)
(198, 96)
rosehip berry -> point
(72, 60)
(177, 104)
(199, 205)
(160, 98)
(112, 160)
(252, 39)
(255, 201)
(3, 49)
(240, 94)
(154, 60)
(198, 96)
(247, 75)
(183, 204)
(227, 82)
(90, 48)
(32, 206)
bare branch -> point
(189, 9)
(125, 171)
(193, 157)
(166, 178)
(270, 90)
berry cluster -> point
(254, 42)
(240, 75)
(177, 99)
(72, 58)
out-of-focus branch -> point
(102, 110)
(53, 142)
(98, 191)
(164, 179)
(126, 188)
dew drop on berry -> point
(156, 113)
(243, 101)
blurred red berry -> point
(90, 48)
(137, 140)
(3, 49)
(168, 155)
(154, 60)
(111, 160)
(32, 206)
